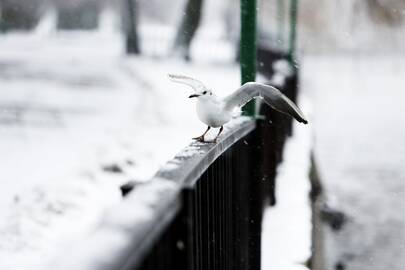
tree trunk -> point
(187, 29)
(130, 10)
(18, 15)
(1, 18)
(386, 12)
(85, 15)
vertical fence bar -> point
(248, 47)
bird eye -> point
(205, 92)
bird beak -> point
(194, 95)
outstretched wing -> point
(193, 83)
(271, 95)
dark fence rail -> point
(183, 218)
(221, 210)
(203, 209)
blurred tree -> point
(130, 22)
(280, 22)
(19, 14)
(80, 15)
(1, 18)
(293, 30)
(388, 12)
(188, 27)
(232, 21)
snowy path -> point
(359, 132)
(71, 104)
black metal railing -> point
(219, 225)
(203, 210)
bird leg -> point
(201, 138)
(220, 131)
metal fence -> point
(219, 224)
(201, 211)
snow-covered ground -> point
(73, 107)
(359, 132)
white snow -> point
(114, 236)
(359, 129)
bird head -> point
(204, 93)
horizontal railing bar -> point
(186, 169)
(127, 231)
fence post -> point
(248, 47)
(248, 187)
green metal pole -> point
(248, 48)
(293, 30)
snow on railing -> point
(129, 230)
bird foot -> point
(199, 139)
(212, 141)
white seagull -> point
(215, 111)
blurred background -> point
(86, 106)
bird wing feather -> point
(271, 96)
(193, 83)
